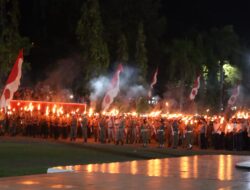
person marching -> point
(133, 131)
(203, 134)
(161, 134)
(84, 126)
(175, 133)
(116, 128)
(144, 133)
(102, 125)
(189, 135)
(110, 122)
(73, 128)
(96, 129)
(120, 132)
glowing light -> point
(29, 182)
(54, 109)
(47, 111)
(114, 112)
(155, 113)
(134, 114)
(222, 120)
(90, 111)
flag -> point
(234, 96)
(195, 88)
(13, 82)
(154, 81)
(113, 89)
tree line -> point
(135, 33)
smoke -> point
(63, 75)
(59, 79)
(136, 91)
(98, 87)
(128, 85)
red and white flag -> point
(13, 82)
(234, 96)
(195, 88)
(113, 89)
(154, 81)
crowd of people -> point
(165, 132)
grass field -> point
(25, 156)
(33, 156)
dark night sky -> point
(181, 16)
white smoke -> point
(136, 91)
(98, 87)
(128, 86)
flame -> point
(134, 114)
(90, 111)
(222, 120)
(47, 110)
(241, 115)
(54, 109)
(114, 112)
(154, 113)
(30, 107)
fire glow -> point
(58, 108)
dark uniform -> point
(120, 132)
(175, 133)
(102, 125)
(203, 140)
(161, 134)
(73, 128)
(144, 133)
(44, 128)
(111, 136)
(131, 134)
(84, 126)
(189, 135)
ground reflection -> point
(61, 186)
(220, 167)
(225, 167)
(29, 182)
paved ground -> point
(195, 172)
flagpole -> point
(221, 86)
